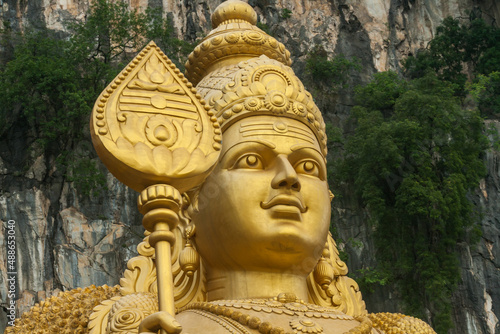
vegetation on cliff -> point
(466, 55)
(416, 155)
(50, 82)
(413, 159)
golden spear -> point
(156, 135)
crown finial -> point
(233, 10)
(235, 38)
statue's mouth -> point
(284, 200)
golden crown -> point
(241, 71)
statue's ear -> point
(190, 203)
(185, 213)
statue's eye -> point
(308, 167)
(249, 161)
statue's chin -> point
(298, 263)
(284, 253)
(289, 253)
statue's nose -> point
(286, 176)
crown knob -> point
(233, 10)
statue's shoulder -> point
(268, 316)
(68, 312)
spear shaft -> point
(160, 205)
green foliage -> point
(264, 27)
(83, 171)
(87, 177)
(335, 145)
(7, 38)
(493, 136)
(51, 83)
(162, 32)
(332, 73)
(371, 278)
(486, 92)
(382, 92)
(43, 86)
(457, 51)
(111, 34)
(413, 158)
(286, 13)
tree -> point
(111, 34)
(458, 52)
(485, 90)
(332, 73)
(43, 87)
(414, 157)
(51, 83)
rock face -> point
(65, 240)
(479, 291)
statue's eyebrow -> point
(260, 141)
(300, 146)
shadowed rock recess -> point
(66, 240)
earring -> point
(323, 272)
(189, 258)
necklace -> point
(238, 315)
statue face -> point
(266, 205)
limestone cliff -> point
(65, 240)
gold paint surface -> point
(151, 127)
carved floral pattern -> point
(128, 312)
(305, 326)
(150, 126)
(126, 320)
(261, 85)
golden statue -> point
(232, 182)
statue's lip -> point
(284, 200)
